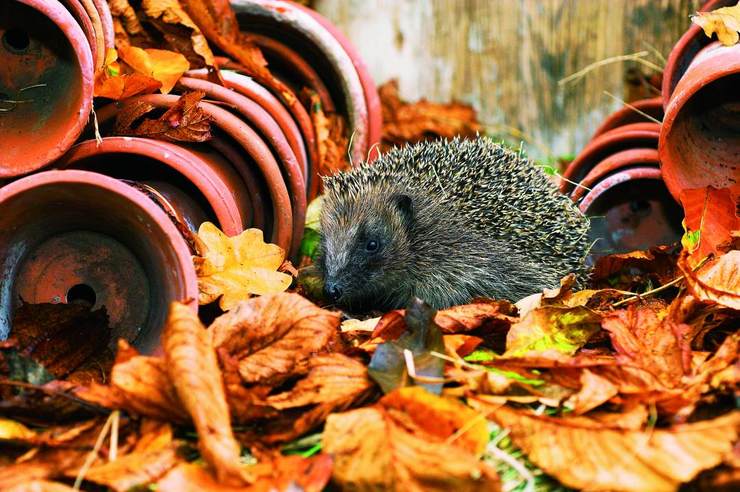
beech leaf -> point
(725, 22)
(235, 268)
(594, 456)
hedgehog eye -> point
(372, 246)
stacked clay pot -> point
(616, 180)
(109, 224)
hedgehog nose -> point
(333, 291)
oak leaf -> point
(193, 368)
(235, 268)
(718, 280)
(274, 336)
(588, 454)
(372, 450)
(185, 121)
(724, 21)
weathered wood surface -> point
(506, 57)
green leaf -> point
(310, 244)
(561, 329)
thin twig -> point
(654, 120)
(502, 455)
(650, 292)
(655, 51)
(411, 369)
(94, 453)
(636, 57)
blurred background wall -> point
(507, 57)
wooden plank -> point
(506, 57)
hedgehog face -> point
(362, 246)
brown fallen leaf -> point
(595, 390)
(235, 268)
(163, 66)
(274, 336)
(590, 455)
(185, 121)
(372, 451)
(413, 122)
(179, 31)
(724, 21)
(717, 281)
(118, 81)
(643, 339)
(41, 486)
(331, 135)
(625, 270)
(285, 473)
(193, 368)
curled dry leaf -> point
(594, 391)
(373, 451)
(185, 121)
(274, 336)
(235, 268)
(643, 339)
(587, 454)
(619, 270)
(163, 66)
(331, 136)
(552, 328)
(117, 81)
(725, 22)
(285, 473)
(711, 215)
(193, 369)
(718, 280)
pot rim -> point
(631, 157)
(615, 179)
(614, 120)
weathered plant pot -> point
(700, 137)
(80, 14)
(685, 49)
(631, 210)
(618, 161)
(281, 229)
(79, 236)
(46, 83)
(255, 92)
(633, 135)
(283, 20)
(372, 99)
(626, 115)
(261, 120)
(213, 184)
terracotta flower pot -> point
(633, 135)
(700, 137)
(372, 99)
(261, 121)
(626, 115)
(683, 52)
(74, 235)
(46, 84)
(80, 14)
(613, 163)
(211, 183)
(255, 92)
(283, 20)
(631, 210)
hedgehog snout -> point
(333, 290)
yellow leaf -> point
(238, 267)
(162, 65)
(725, 22)
(10, 429)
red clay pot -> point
(683, 52)
(624, 116)
(631, 210)
(80, 14)
(372, 99)
(633, 135)
(253, 91)
(266, 125)
(283, 20)
(282, 229)
(67, 235)
(616, 162)
(45, 62)
(700, 138)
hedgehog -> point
(446, 222)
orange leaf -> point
(724, 21)
(591, 455)
(164, 66)
(718, 280)
(193, 368)
(713, 213)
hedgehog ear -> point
(405, 206)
